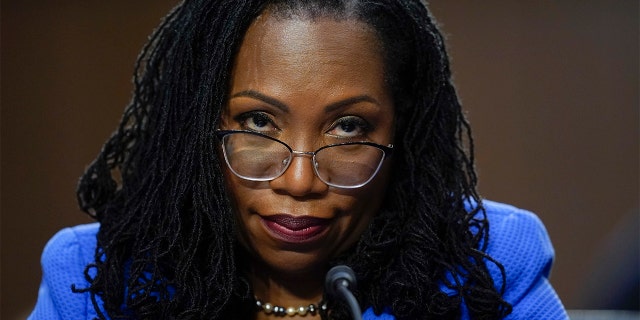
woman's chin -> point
(295, 264)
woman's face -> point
(308, 83)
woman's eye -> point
(256, 121)
(349, 127)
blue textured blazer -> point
(517, 239)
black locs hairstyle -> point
(166, 246)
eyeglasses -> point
(257, 157)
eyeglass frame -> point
(386, 151)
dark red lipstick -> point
(295, 229)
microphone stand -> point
(338, 282)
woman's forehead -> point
(301, 35)
(295, 49)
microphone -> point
(338, 282)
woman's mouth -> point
(292, 229)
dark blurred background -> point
(551, 89)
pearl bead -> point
(302, 310)
(268, 308)
(291, 311)
(278, 310)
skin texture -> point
(304, 82)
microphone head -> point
(339, 275)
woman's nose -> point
(299, 179)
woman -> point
(270, 140)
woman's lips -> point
(301, 229)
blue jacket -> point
(517, 239)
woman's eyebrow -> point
(282, 106)
(262, 97)
(350, 101)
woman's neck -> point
(287, 290)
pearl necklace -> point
(280, 311)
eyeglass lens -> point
(257, 158)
